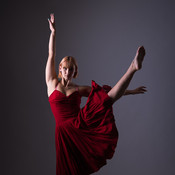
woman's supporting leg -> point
(118, 90)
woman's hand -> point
(139, 90)
(52, 23)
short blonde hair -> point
(71, 61)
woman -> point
(84, 138)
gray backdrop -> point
(103, 35)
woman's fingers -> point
(49, 20)
(52, 17)
(52, 22)
(140, 90)
(143, 88)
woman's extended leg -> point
(118, 90)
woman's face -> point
(67, 70)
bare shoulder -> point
(51, 85)
(84, 90)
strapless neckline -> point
(67, 96)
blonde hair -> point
(71, 61)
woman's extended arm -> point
(139, 90)
(50, 73)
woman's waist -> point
(63, 118)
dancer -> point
(84, 138)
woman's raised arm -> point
(50, 73)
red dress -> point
(84, 138)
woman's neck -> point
(65, 83)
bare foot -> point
(137, 62)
